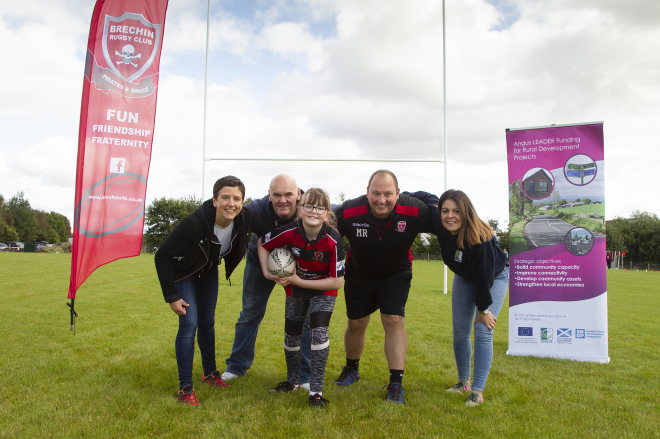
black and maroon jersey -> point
(381, 248)
(317, 259)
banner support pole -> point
(206, 86)
(74, 314)
(444, 111)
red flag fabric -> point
(117, 119)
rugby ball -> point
(281, 262)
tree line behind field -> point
(19, 222)
(638, 236)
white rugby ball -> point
(281, 262)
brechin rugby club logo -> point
(130, 44)
(401, 226)
(318, 255)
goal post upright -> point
(444, 107)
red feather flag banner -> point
(117, 118)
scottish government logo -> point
(564, 335)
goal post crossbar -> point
(323, 160)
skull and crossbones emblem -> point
(128, 55)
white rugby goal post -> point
(444, 107)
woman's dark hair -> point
(474, 230)
(230, 181)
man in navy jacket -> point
(277, 209)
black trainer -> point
(284, 386)
(317, 400)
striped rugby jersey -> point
(317, 259)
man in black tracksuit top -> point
(380, 226)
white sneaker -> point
(226, 376)
(305, 386)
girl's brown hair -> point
(474, 230)
(318, 197)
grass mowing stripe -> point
(117, 376)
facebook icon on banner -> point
(525, 331)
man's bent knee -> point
(359, 324)
(392, 321)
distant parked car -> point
(15, 246)
(41, 245)
(4, 247)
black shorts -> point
(365, 296)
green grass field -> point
(517, 242)
(117, 376)
(589, 208)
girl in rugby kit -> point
(317, 247)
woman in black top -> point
(481, 279)
(187, 267)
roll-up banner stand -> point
(558, 284)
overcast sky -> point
(347, 79)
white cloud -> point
(44, 171)
(369, 88)
(43, 53)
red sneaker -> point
(214, 379)
(187, 398)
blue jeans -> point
(256, 292)
(463, 315)
(201, 294)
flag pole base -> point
(74, 314)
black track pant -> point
(320, 311)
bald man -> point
(277, 209)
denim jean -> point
(201, 294)
(463, 315)
(256, 292)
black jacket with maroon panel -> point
(381, 252)
(318, 259)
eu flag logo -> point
(525, 331)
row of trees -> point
(163, 215)
(19, 222)
(638, 236)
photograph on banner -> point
(552, 202)
(557, 296)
